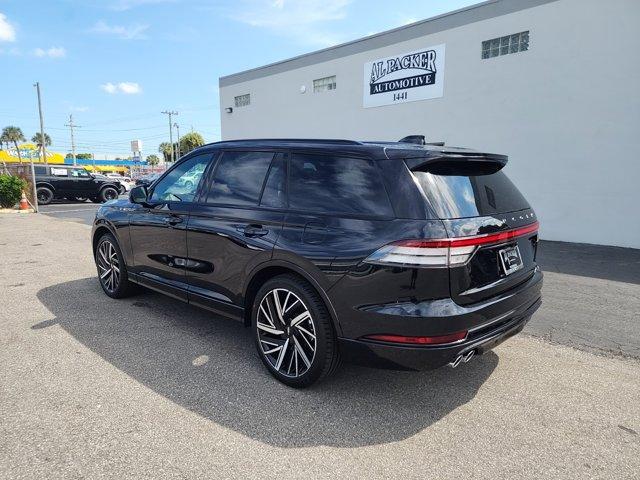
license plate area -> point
(510, 259)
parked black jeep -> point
(73, 183)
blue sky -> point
(116, 64)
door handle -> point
(253, 231)
(172, 220)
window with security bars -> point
(324, 84)
(518, 42)
(242, 100)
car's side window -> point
(79, 172)
(238, 178)
(59, 172)
(334, 184)
(40, 170)
(274, 193)
(181, 183)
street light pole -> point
(44, 153)
(171, 112)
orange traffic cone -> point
(24, 205)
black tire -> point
(108, 193)
(45, 195)
(123, 288)
(326, 356)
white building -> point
(554, 84)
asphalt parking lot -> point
(149, 387)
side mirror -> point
(138, 194)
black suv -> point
(388, 254)
(73, 183)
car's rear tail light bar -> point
(405, 340)
(443, 252)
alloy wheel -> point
(286, 332)
(110, 194)
(108, 266)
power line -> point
(170, 112)
(73, 143)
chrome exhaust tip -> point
(468, 356)
(456, 362)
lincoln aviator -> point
(401, 255)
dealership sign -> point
(417, 75)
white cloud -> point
(128, 88)
(7, 31)
(129, 32)
(304, 20)
(53, 52)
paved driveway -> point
(149, 387)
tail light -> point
(437, 340)
(446, 252)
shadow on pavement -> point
(209, 366)
(596, 261)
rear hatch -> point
(491, 227)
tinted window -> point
(181, 183)
(460, 196)
(323, 183)
(274, 194)
(38, 170)
(239, 177)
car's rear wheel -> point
(45, 195)
(112, 271)
(108, 193)
(293, 332)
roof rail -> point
(295, 140)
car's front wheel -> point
(112, 271)
(293, 332)
(45, 195)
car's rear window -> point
(462, 196)
(337, 185)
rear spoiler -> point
(451, 162)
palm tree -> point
(15, 135)
(3, 140)
(165, 149)
(37, 139)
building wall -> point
(567, 112)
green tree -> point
(11, 188)
(37, 139)
(14, 135)
(165, 149)
(3, 140)
(190, 141)
(153, 160)
(84, 156)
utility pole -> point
(73, 142)
(44, 153)
(178, 129)
(171, 112)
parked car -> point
(388, 254)
(126, 182)
(148, 179)
(72, 183)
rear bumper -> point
(508, 317)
